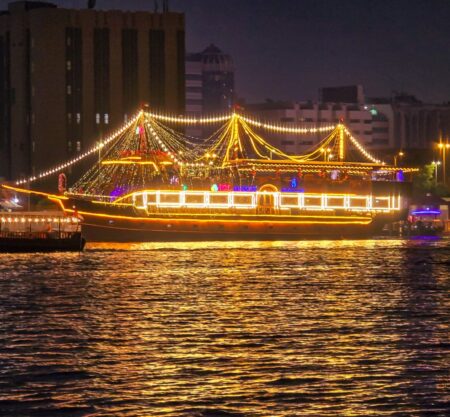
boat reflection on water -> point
(227, 329)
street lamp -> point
(436, 164)
(400, 154)
(443, 147)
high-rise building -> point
(68, 77)
(209, 82)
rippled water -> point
(347, 328)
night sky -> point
(288, 49)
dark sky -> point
(287, 49)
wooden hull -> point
(126, 224)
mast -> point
(341, 141)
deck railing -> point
(267, 200)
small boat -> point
(41, 242)
(40, 232)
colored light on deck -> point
(269, 200)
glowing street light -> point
(398, 155)
(436, 164)
(443, 147)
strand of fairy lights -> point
(164, 147)
(216, 119)
(361, 149)
(172, 155)
(281, 129)
(84, 155)
(189, 120)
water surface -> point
(330, 328)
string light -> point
(248, 200)
(284, 129)
(84, 155)
(190, 120)
(361, 149)
(17, 219)
(225, 147)
(217, 119)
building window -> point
(157, 68)
(106, 118)
(97, 118)
(78, 146)
(130, 69)
(74, 82)
(101, 71)
(380, 141)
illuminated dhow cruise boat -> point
(153, 182)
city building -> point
(365, 122)
(385, 126)
(68, 77)
(209, 82)
(414, 125)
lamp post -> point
(400, 154)
(443, 147)
(436, 164)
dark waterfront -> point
(344, 328)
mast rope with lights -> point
(149, 148)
